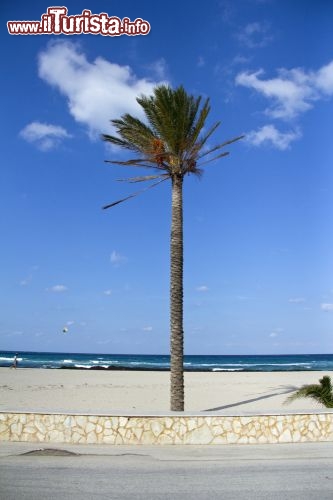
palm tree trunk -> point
(176, 296)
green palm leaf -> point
(172, 138)
(322, 392)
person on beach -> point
(14, 365)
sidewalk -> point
(306, 451)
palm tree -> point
(171, 143)
(322, 392)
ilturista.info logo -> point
(57, 22)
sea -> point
(160, 362)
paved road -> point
(265, 472)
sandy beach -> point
(82, 391)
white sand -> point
(128, 391)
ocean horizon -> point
(161, 362)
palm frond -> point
(133, 195)
(199, 125)
(173, 116)
(322, 392)
(133, 163)
(134, 135)
(171, 140)
(117, 141)
(221, 155)
(205, 138)
(144, 178)
(222, 145)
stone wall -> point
(168, 429)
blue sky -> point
(258, 275)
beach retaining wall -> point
(170, 429)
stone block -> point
(285, 437)
(232, 438)
(245, 420)
(219, 440)
(29, 429)
(56, 437)
(168, 422)
(108, 432)
(76, 437)
(147, 437)
(156, 427)
(202, 435)
(122, 431)
(80, 421)
(123, 421)
(114, 422)
(191, 424)
(118, 439)
(90, 427)
(29, 438)
(262, 439)
(16, 428)
(108, 439)
(99, 429)
(296, 436)
(3, 427)
(69, 421)
(164, 439)
(91, 438)
(138, 433)
(243, 440)
(236, 426)
(93, 419)
(41, 427)
(217, 430)
(227, 424)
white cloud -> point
(26, 281)
(103, 342)
(159, 68)
(96, 91)
(117, 259)
(147, 329)
(241, 297)
(44, 135)
(324, 79)
(255, 35)
(273, 334)
(14, 334)
(269, 134)
(201, 62)
(297, 300)
(57, 288)
(326, 307)
(293, 91)
(202, 288)
(107, 292)
(239, 59)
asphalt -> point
(230, 472)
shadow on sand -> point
(287, 390)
